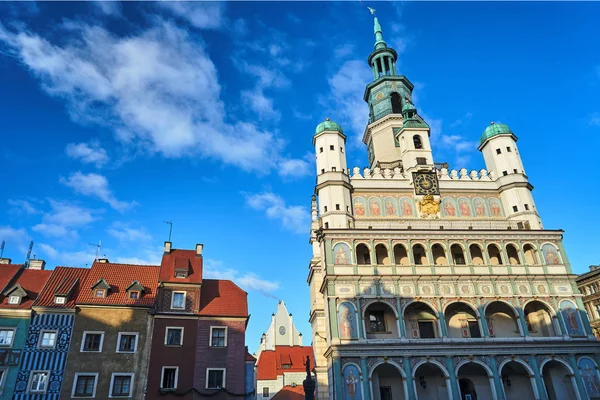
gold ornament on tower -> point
(428, 206)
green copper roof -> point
(328, 125)
(493, 130)
(408, 106)
(414, 123)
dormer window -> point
(100, 289)
(15, 294)
(181, 275)
(182, 268)
(60, 299)
(135, 290)
(14, 300)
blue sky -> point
(118, 116)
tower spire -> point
(379, 42)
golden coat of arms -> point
(428, 206)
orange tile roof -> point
(65, 281)
(119, 277)
(181, 259)
(7, 273)
(270, 362)
(222, 298)
(290, 393)
(32, 281)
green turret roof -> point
(408, 106)
(493, 130)
(328, 125)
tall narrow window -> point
(218, 336)
(169, 378)
(417, 142)
(396, 103)
(178, 301)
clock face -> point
(426, 183)
(282, 330)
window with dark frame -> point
(426, 330)
(178, 300)
(134, 295)
(168, 380)
(515, 208)
(174, 336)
(504, 173)
(526, 207)
(508, 149)
(265, 392)
(84, 386)
(39, 382)
(99, 293)
(121, 385)
(421, 160)
(6, 337)
(498, 151)
(376, 322)
(48, 339)
(474, 329)
(218, 337)
(215, 379)
(92, 342)
(127, 343)
(331, 147)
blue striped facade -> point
(53, 360)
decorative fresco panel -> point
(495, 207)
(448, 207)
(464, 207)
(374, 207)
(550, 254)
(341, 254)
(407, 207)
(571, 317)
(352, 386)
(359, 206)
(391, 209)
(347, 321)
(589, 374)
(480, 207)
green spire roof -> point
(493, 130)
(379, 42)
(328, 125)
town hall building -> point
(435, 283)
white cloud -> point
(89, 153)
(67, 214)
(48, 250)
(14, 239)
(157, 89)
(125, 233)
(347, 86)
(266, 77)
(295, 168)
(343, 51)
(259, 103)
(54, 230)
(215, 269)
(95, 185)
(109, 7)
(293, 218)
(203, 15)
(22, 206)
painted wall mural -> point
(571, 317)
(389, 206)
(550, 254)
(352, 387)
(589, 374)
(341, 254)
(347, 321)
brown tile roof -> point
(7, 273)
(290, 393)
(32, 281)
(222, 298)
(64, 281)
(250, 357)
(185, 259)
(270, 362)
(120, 277)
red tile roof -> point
(32, 281)
(290, 393)
(270, 362)
(181, 259)
(64, 281)
(119, 277)
(7, 273)
(250, 357)
(222, 298)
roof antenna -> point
(170, 223)
(2, 249)
(28, 254)
(98, 247)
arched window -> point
(396, 103)
(419, 255)
(513, 256)
(382, 254)
(401, 255)
(439, 255)
(418, 142)
(457, 255)
(363, 256)
(476, 254)
(494, 253)
(530, 256)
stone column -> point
(496, 378)
(537, 374)
(366, 383)
(410, 387)
(453, 381)
(337, 377)
(580, 385)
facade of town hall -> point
(430, 283)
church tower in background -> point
(435, 283)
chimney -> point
(103, 260)
(5, 260)
(168, 247)
(199, 248)
(37, 264)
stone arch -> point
(378, 363)
(474, 377)
(517, 360)
(551, 390)
(382, 255)
(439, 254)
(462, 320)
(488, 370)
(417, 142)
(421, 321)
(475, 310)
(526, 386)
(477, 254)
(438, 367)
(494, 253)
(401, 254)
(499, 326)
(363, 254)
(379, 317)
(457, 252)
(374, 378)
(531, 254)
(420, 254)
(513, 254)
(560, 360)
(435, 362)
